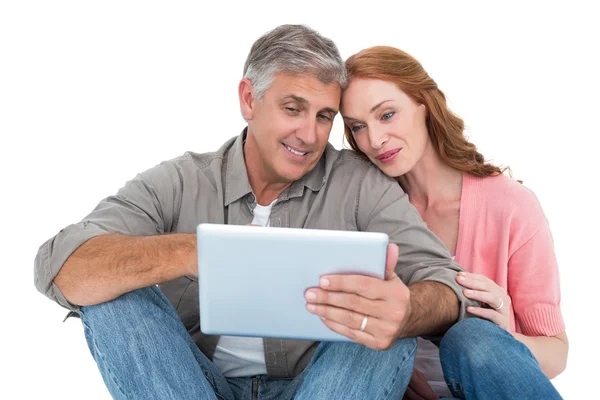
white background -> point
(93, 92)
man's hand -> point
(368, 310)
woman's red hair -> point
(444, 127)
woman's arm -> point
(550, 351)
(534, 288)
(532, 285)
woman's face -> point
(388, 125)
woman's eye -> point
(387, 115)
(356, 128)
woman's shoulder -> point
(505, 196)
(501, 190)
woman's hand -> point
(481, 288)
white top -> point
(243, 356)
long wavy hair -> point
(446, 130)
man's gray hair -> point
(293, 49)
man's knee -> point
(127, 302)
(473, 339)
(405, 349)
(339, 356)
(400, 351)
(127, 308)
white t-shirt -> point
(243, 356)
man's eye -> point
(324, 117)
(292, 110)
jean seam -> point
(99, 353)
(162, 299)
(456, 388)
(391, 394)
(211, 382)
(207, 373)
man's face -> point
(289, 127)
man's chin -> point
(293, 174)
(292, 177)
(293, 170)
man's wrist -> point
(180, 254)
(191, 255)
(432, 308)
(408, 318)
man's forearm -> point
(105, 267)
(433, 309)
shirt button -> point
(251, 198)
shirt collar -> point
(238, 186)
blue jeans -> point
(144, 352)
(483, 361)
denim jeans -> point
(144, 352)
(483, 361)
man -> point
(280, 171)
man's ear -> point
(247, 99)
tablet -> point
(252, 279)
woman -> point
(395, 115)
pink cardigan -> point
(504, 235)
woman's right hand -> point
(481, 288)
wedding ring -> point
(501, 304)
(364, 323)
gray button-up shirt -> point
(343, 192)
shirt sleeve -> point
(146, 205)
(533, 284)
(384, 207)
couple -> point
(437, 199)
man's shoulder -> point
(346, 155)
(199, 161)
(345, 160)
(186, 168)
(353, 170)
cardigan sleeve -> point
(533, 284)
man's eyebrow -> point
(295, 98)
(329, 110)
(375, 107)
(302, 100)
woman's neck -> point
(432, 182)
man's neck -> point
(267, 192)
(431, 181)
(264, 185)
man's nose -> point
(307, 133)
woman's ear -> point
(422, 110)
